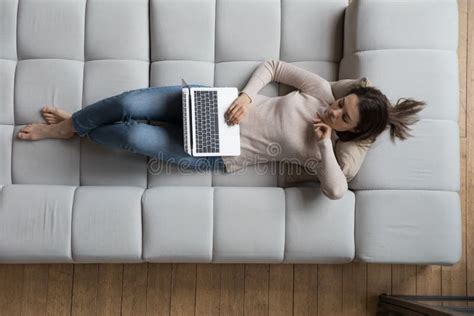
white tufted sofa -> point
(76, 201)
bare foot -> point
(37, 131)
(54, 115)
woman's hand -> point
(237, 109)
(321, 129)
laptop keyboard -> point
(207, 127)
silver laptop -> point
(206, 132)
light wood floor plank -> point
(159, 289)
(256, 289)
(305, 289)
(11, 288)
(469, 193)
(85, 287)
(60, 282)
(35, 289)
(462, 57)
(403, 279)
(183, 289)
(330, 289)
(232, 289)
(354, 291)
(109, 289)
(379, 281)
(428, 280)
(135, 276)
(208, 289)
(280, 289)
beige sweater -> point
(281, 128)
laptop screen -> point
(189, 118)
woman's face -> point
(343, 114)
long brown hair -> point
(376, 113)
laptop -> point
(205, 130)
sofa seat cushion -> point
(35, 223)
(318, 229)
(107, 224)
(428, 161)
(249, 224)
(408, 227)
(177, 224)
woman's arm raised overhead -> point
(281, 71)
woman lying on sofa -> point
(299, 127)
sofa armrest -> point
(406, 24)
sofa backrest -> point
(73, 53)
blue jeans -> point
(112, 122)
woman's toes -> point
(49, 117)
(48, 108)
(27, 128)
(54, 112)
(22, 135)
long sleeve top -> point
(281, 128)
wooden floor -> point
(211, 289)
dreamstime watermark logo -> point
(183, 165)
(274, 149)
(271, 163)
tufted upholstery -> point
(76, 201)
